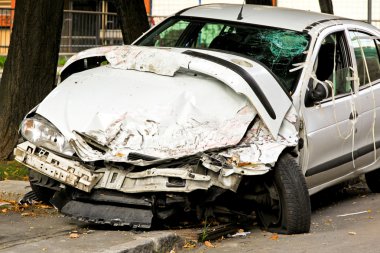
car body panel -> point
(156, 123)
(179, 116)
(257, 14)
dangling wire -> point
(373, 96)
(333, 87)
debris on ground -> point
(240, 233)
(356, 213)
(215, 232)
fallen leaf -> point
(352, 233)
(274, 237)
(190, 244)
(43, 206)
(208, 244)
(28, 214)
(74, 235)
(4, 210)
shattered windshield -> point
(280, 50)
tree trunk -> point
(326, 6)
(31, 65)
(261, 2)
(134, 20)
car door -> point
(366, 51)
(330, 125)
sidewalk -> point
(13, 190)
(51, 231)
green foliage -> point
(13, 170)
(2, 61)
(204, 235)
(62, 60)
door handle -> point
(352, 115)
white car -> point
(218, 111)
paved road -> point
(44, 230)
(330, 231)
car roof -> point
(286, 18)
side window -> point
(333, 63)
(169, 36)
(366, 53)
(207, 34)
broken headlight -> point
(42, 133)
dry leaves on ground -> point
(190, 244)
(73, 235)
(274, 237)
(208, 244)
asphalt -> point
(51, 232)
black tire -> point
(286, 209)
(42, 186)
(373, 180)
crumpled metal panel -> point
(214, 64)
(258, 148)
(188, 106)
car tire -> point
(42, 186)
(372, 179)
(287, 207)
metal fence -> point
(81, 30)
(87, 29)
(6, 23)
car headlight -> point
(41, 132)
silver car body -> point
(171, 122)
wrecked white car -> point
(219, 111)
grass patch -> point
(13, 170)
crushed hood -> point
(168, 103)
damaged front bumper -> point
(130, 196)
(186, 178)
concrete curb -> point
(150, 241)
(13, 190)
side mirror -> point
(322, 90)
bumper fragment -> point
(68, 172)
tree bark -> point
(31, 65)
(133, 17)
(326, 6)
(260, 2)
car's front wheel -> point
(286, 206)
